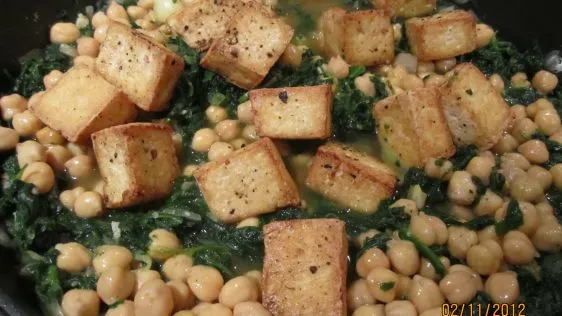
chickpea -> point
(556, 137)
(404, 256)
(249, 222)
(434, 80)
(73, 257)
(548, 121)
(404, 285)
(461, 212)
(228, 129)
(439, 168)
(507, 143)
(461, 189)
(51, 79)
(408, 205)
(177, 267)
(292, 56)
(485, 258)
(440, 229)
(423, 229)
(481, 167)
(425, 68)
(189, 170)
(520, 80)
(88, 46)
(237, 290)
(26, 124)
(428, 271)
(484, 34)
(203, 139)
(64, 33)
(109, 256)
(154, 298)
(116, 11)
(80, 166)
(535, 151)
(364, 84)
(541, 175)
(445, 65)
(545, 213)
(99, 19)
(510, 173)
(249, 132)
(245, 113)
(257, 276)
(411, 82)
(503, 287)
(142, 276)
(523, 129)
(488, 204)
(250, 309)
(425, 294)
(530, 218)
(48, 136)
(548, 237)
(460, 240)
(539, 105)
(147, 4)
(518, 248)
(556, 172)
(220, 150)
(127, 308)
(115, 284)
(85, 61)
(12, 104)
(545, 81)
(40, 175)
(216, 310)
(364, 236)
(525, 188)
(136, 12)
(200, 307)
(161, 239)
(101, 32)
(369, 310)
(56, 157)
(205, 282)
(518, 111)
(372, 258)
(457, 287)
(488, 233)
(497, 82)
(88, 204)
(358, 294)
(216, 114)
(337, 67)
(78, 302)
(68, 197)
(183, 297)
(8, 139)
(377, 279)
(437, 311)
(515, 160)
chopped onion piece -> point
(409, 61)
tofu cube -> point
(200, 22)
(443, 35)
(253, 42)
(350, 178)
(476, 113)
(305, 267)
(144, 69)
(412, 126)
(137, 162)
(368, 38)
(251, 181)
(82, 103)
(407, 8)
(330, 23)
(293, 113)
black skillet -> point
(24, 25)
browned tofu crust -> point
(407, 8)
(305, 267)
(137, 162)
(82, 103)
(251, 181)
(143, 68)
(293, 113)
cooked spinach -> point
(522, 96)
(302, 21)
(424, 250)
(513, 219)
(309, 73)
(554, 150)
(463, 155)
(87, 30)
(435, 189)
(497, 179)
(379, 241)
(36, 65)
(554, 196)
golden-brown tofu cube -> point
(253, 42)
(137, 162)
(82, 103)
(350, 178)
(144, 69)
(407, 8)
(251, 181)
(305, 267)
(293, 113)
(199, 22)
(368, 38)
(413, 127)
(442, 35)
(330, 23)
(475, 111)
